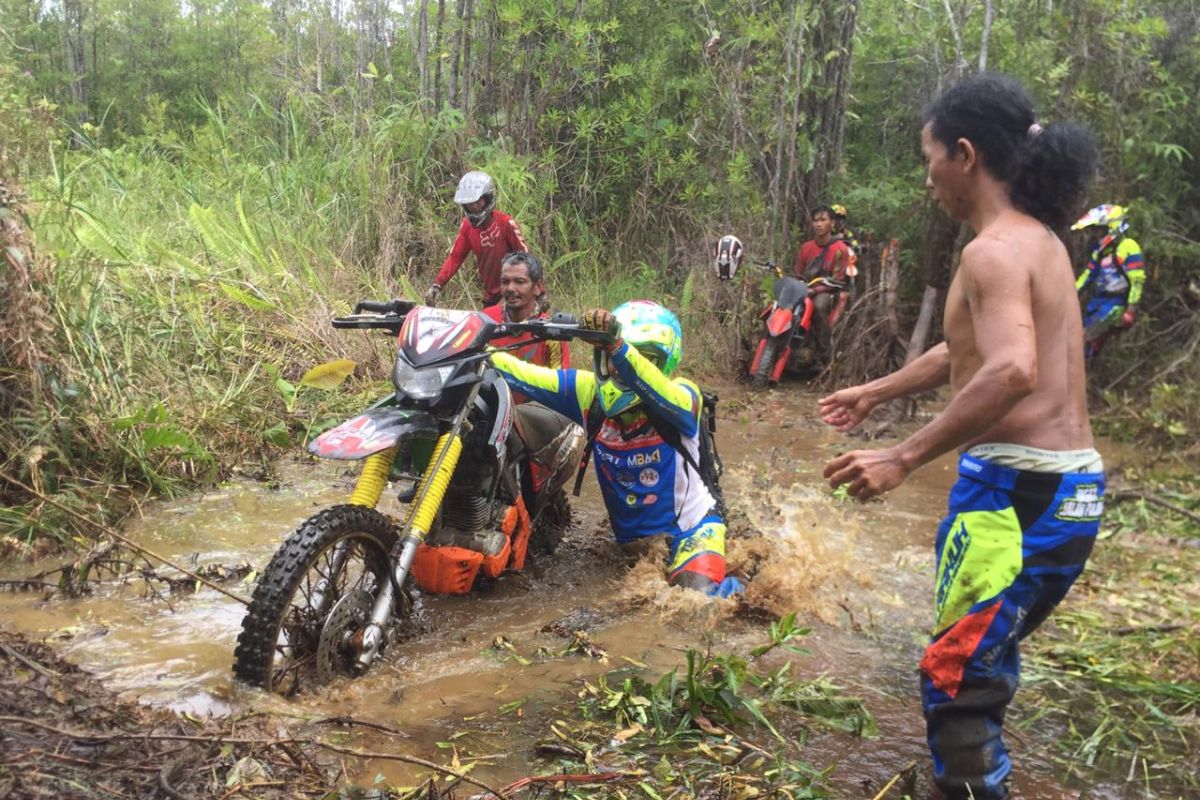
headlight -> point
(420, 384)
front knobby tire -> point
(766, 364)
(277, 648)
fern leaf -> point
(214, 236)
(251, 242)
(99, 240)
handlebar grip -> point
(599, 337)
(382, 306)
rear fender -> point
(503, 419)
(373, 430)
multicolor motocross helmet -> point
(1109, 215)
(653, 331)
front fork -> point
(420, 520)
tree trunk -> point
(437, 56)
(941, 237)
(779, 188)
(988, 14)
(832, 44)
(920, 334)
(422, 52)
(467, 23)
(74, 46)
(456, 56)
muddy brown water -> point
(860, 575)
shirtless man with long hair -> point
(1024, 513)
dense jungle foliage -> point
(191, 189)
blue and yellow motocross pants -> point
(1010, 547)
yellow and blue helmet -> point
(651, 329)
(1109, 215)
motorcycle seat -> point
(538, 425)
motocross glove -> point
(600, 319)
(727, 588)
(1128, 317)
(431, 295)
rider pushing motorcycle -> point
(824, 256)
(647, 438)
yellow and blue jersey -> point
(647, 486)
(1118, 271)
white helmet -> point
(728, 257)
(475, 186)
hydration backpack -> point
(709, 467)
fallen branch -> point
(887, 788)
(361, 723)
(45, 672)
(1135, 494)
(107, 531)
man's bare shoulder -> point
(1014, 246)
(990, 261)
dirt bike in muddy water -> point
(482, 479)
(788, 339)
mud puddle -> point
(860, 575)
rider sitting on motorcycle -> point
(828, 257)
(522, 287)
(485, 231)
(649, 488)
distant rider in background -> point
(485, 231)
(1115, 274)
(841, 230)
(647, 438)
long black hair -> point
(1047, 168)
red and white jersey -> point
(490, 244)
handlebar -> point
(560, 327)
(397, 307)
(389, 315)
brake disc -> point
(336, 650)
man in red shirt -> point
(488, 233)
(521, 283)
(823, 256)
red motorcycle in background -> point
(787, 338)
